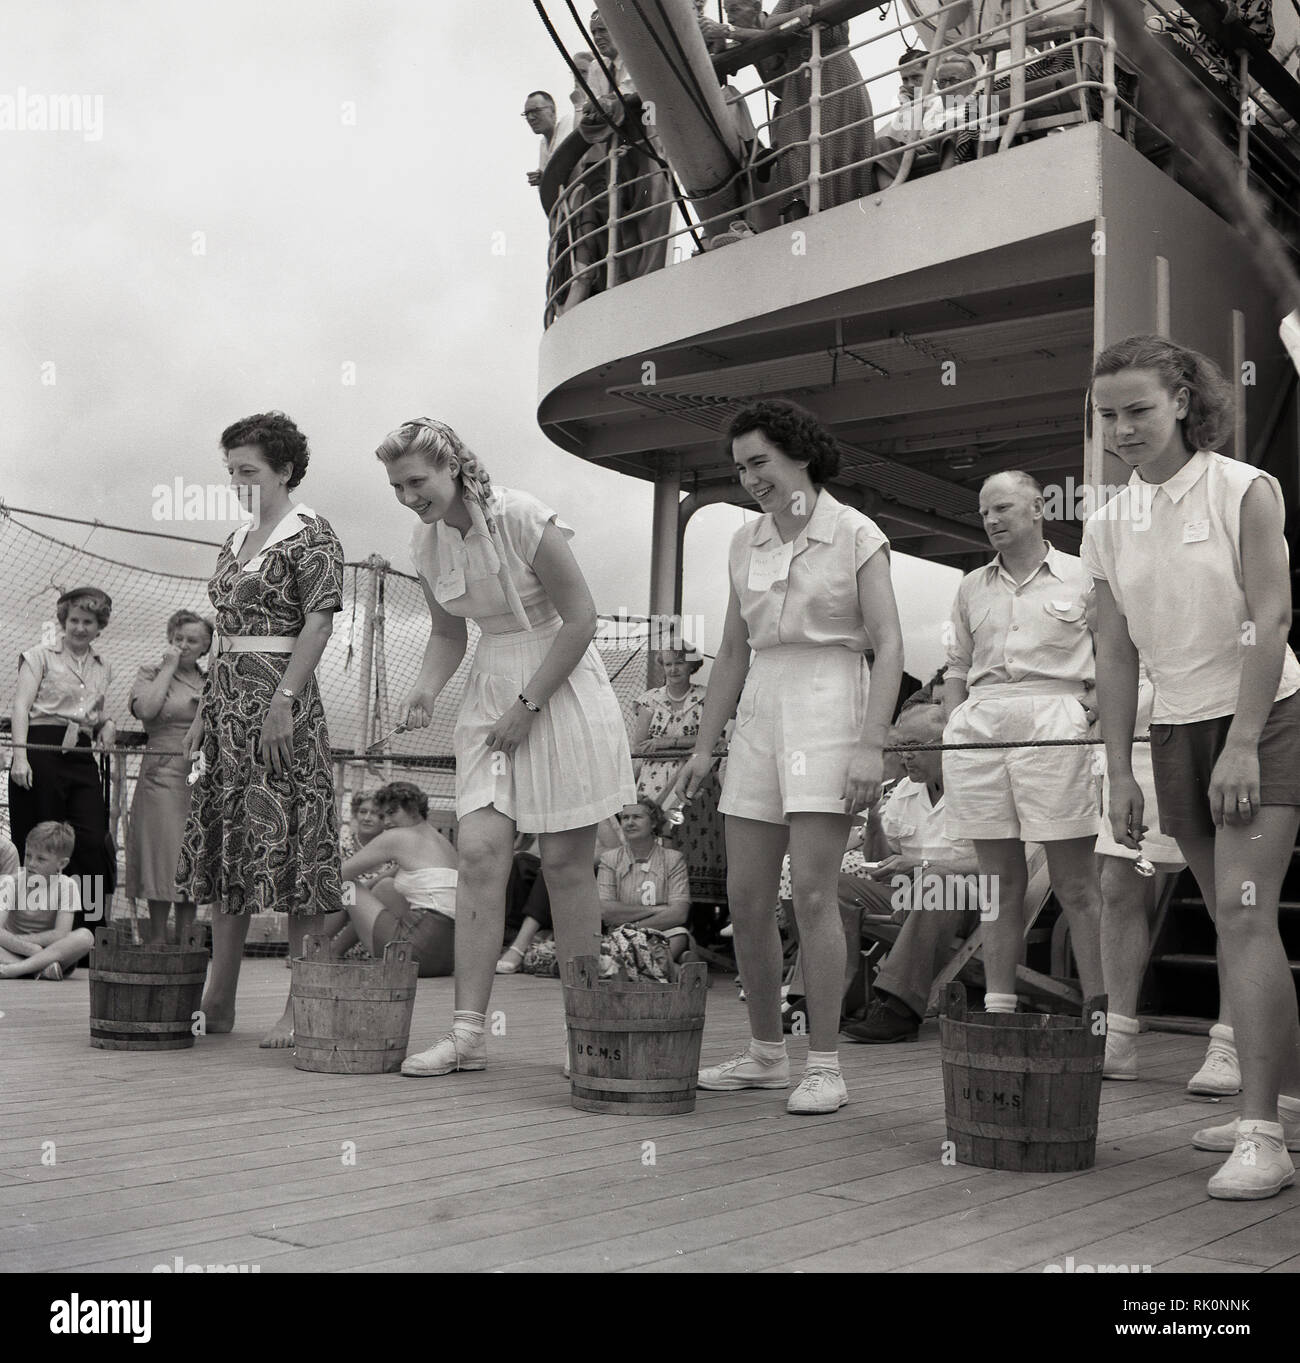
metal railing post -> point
(815, 120)
(611, 213)
(1107, 69)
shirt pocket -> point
(1064, 622)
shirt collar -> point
(1177, 487)
(58, 648)
(289, 524)
(1051, 560)
(820, 526)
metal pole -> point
(1243, 127)
(1108, 69)
(1017, 74)
(665, 563)
(611, 212)
(365, 682)
(815, 120)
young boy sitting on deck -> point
(38, 909)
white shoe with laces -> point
(746, 1071)
(1258, 1167)
(453, 1052)
(1223, 1138)
(821, 1091)
(1220, 1075)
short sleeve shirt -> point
(68, 689)
(461, 570)
(297, 571)
(916, 827)
(805, 591)
(1037, 630)
(1171, 555)
(659, 879)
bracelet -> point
(528, 705)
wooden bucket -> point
(144, 998)
(634, 1046)
(1021, 1090)
(352, 1017)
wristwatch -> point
(286, 692)
(528, 705)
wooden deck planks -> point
(227, 1154)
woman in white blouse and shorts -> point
(810, 593)
(1190, 565)
(540, 743)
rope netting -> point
(370, 663)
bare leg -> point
(186, 910)
(485, 843)
(363, 912)
(528, 929)
(816, 850)
(159, 912)
(754, 853)
(1002, 863)
(1127, 902)
(228, 933)
(1073, 869)
(66, 951)
(568, 859)
(1199, 855)
(1250, 861)
(301, 925)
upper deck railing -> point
(813, 137)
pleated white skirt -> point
(573, 770)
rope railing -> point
(1087, 84)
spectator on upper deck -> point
(847, 133)
(540, 115)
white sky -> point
(323, 244)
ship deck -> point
(226, 1154)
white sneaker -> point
(746, 1071)
(1224, 1137)
(1121, 1060)
(451, 1053)
(821, 1091)
(1258, 1167)
(1220, 1075)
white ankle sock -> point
(999, 1003)
(1122, 1026)
(1223, 1034)
(1274, 1129)
(824, 1060)
(468, 1024)
(768, 1051)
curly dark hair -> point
(793, 430)
(282, 444)
(403, 795)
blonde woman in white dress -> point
(539, 743)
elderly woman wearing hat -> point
(59, 708)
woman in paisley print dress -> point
(262, 833)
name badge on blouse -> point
(1195, 531)
(450, 584)
(767, 566)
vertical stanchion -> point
(1108, 70)
(1017, 88)
(611, 216)
(815, 120)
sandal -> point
(505, 966)
(53, 971)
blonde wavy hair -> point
(437, 444)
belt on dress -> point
(256, 643)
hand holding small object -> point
(198, 769)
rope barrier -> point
(651, 756)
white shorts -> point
(1034, 794)
(798, 723)
(1158, 848)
